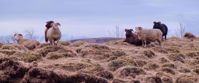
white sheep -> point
(26, 43)
(149, 35)
(53, 34)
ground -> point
(176, 61)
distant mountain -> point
(97, 40)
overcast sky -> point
(96, 18)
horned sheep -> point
(53, 33)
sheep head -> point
(49, 24)
(156, 24)
(138, 31)
(128, 32)
(55, 25)
(138, 28)
(18, 36)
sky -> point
(96, 18)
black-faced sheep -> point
(150, 35)
(132, 38)
(162, 27)
(26, 43)
(53, 34)
(189, 35)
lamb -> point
(26, 43)
(53, 34)
(189, 35)
(162, 27)
(132, 38)
(150, 35)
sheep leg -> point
(51, 42)
(159, 41)
(57, 42)
(144, 43)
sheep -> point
(26, 43)
(53, 34)
(132, 38)
(48, 26)
(189, 35)
(150, 35)
(162, 27)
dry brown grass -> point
(177, 61)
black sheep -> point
(162, 27)
(132, 38)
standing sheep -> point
(53, 34)
(132, 38)
(150, 35)
(162, 27)
(26, 43)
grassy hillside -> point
(177, 61)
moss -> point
(30, 57)
(115, 64)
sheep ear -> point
(154, 22)
(159, 22)
(58, 24)
(126, 30)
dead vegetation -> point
(111, 62)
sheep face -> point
(128, 32)
(138, 32)
(157, 24)
(18, 36)
(55, 25)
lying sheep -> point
(150, 35)
(26, 43)
(189, 35)
(163, 28)
(132, 38)
(53, 34)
